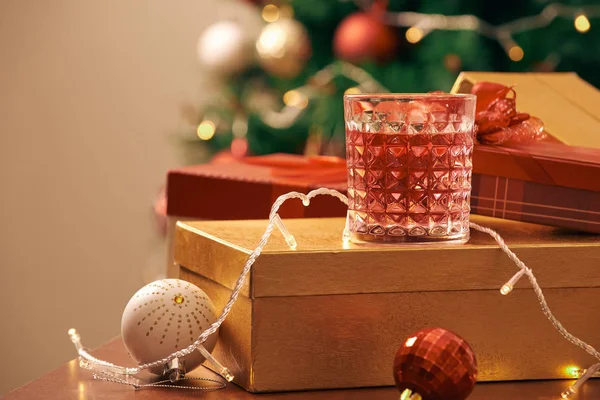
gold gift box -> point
(553, 182)
(567, 104)
(329, 315)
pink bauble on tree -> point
(363, 37)
(435, 364)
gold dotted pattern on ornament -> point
(158, 290)
(154, 310)
(152, 324)
(162, 288)
(204, 316)
(155, 322)
(169, 284)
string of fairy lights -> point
(120, 374)
(296, 100)
(418, 25)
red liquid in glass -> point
(409, 187)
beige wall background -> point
(90, 93)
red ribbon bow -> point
(497, 119)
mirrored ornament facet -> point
(437, 364)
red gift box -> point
(545, 183)
(229, 189)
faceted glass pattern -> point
(409, 167)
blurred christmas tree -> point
(281, 89)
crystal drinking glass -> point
(409, 159)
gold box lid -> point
(567, 104)
(323, 265)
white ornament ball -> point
(283, 48)
(225, 48)
(166, 316)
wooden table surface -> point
(71, 382)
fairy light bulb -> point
(414, 34)
(353, 90)
(582, 23)
(295, 98)
(75, 338)
(270, 13)
(590, 372)
(574, 371)
(516, 53)
(409, 395)
(508, 286)
(223, 371)
(406, 394)
(506, 289)
(289, 238)
(206, 130)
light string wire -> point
(90, 362)
(102, 376)
(290, 113)
(284, 117)
(538, 291)
(421, 24)
(274, 220)
(502, 33)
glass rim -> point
(408, 96)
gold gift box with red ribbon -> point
(552, 182)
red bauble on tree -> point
(437, 364)
(362, 37)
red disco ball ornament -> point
(437, 364)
